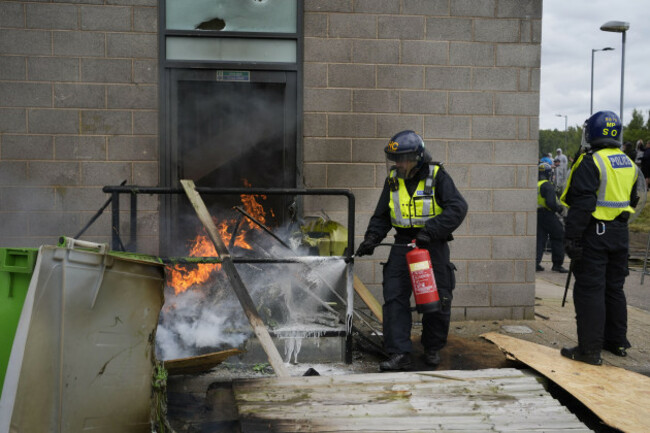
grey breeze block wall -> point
(78, 110)
(465, 74)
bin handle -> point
(72, 243)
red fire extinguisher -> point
(423, 282)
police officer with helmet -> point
(601, 195)
(548, 224)
(420, 201)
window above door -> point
(231, 31)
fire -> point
(182, 277)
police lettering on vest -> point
(408, 211)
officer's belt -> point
(622, 218)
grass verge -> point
(642, 223)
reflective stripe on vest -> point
(541, 201)
(618, 175)
(413, 211)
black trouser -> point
(397, 301)
(548, 225)
(601, 310)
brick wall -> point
(464, 74)
(78, 110)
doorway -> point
(228, 129)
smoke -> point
(295, 301)
(190, 325)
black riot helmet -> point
(404, 153)
(602, 129)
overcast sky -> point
(570, 30)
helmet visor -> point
(404, 166)
(583, 142)
(401, 157)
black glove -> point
(573, 248)
(367, 247)
(423, 239)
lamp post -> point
(566, 121)
(593, 50)
(619, 27)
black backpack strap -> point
(430, 181)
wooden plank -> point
(367, 298)
(198, 364)
(228, 266)
(620, 398)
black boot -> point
(561, 269)
(578, 354)
(396, 362)
(432, 357)
(615, 349)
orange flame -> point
(182, 277)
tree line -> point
(569, 141)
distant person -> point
(628, 149)
(601, 195)
(640, 149)
(547, 159)
(645, 164)
(554, 167)
(561, 171)
(564, 162)
(548, 224)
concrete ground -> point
(554, 325)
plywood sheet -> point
(619, 397)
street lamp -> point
(593, 50)
(566, 121)
(619, 27)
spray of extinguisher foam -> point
(423, 282)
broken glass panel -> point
(275, 16)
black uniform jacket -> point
(583, 195)
(440, 227)
(547, 191)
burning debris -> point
(201, 313)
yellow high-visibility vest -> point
(408, 211)
(618, 175)
(541, 201)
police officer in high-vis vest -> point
(548, 224)
(601, 194)
(420, 201)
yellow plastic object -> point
(83, 353)
(330, 237)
